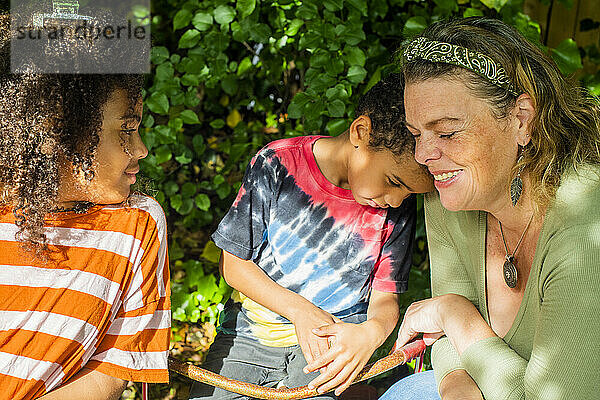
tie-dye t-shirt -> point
(312, 238)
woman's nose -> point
(426, 149)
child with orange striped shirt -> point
(84, 279)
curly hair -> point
(48, 120)
(384, 105)
(565, 129)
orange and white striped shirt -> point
(100, 300)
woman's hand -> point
(305, 320)
(451, 315)
(352, 346)
(422, 317)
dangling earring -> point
(516, 185)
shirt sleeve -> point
(136, 344)
(448, 275)
(565, 357)
(242, 231)
(392, 269)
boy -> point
(318, 222)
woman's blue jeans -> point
(419, 386)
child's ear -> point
(360, 131)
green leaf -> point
(175, 124)
(189, 39)
(245, 7)
(189, 117)
(356, 74)
(211, 252)
(217, 123)
(176, 201)
(336, 108)
(307, 11)
(223, 191)
(158, 103)
(319, 58)
(202, 21)
(170, 188)
(495, 4)
(294, 111)
(186, 207)
(354, 56)
(337, 126)
(165, 71)
(314, 109)
(244, 66)
(360, 5)
(375, 77)
(188, 189)
(159, 54)
(185, 157)
(202, 202)
(217, 41)
(567, 57)
(333, 5)
(337, 92)
(230, 85)
(218, 180)
(181, 19)
(163, 154)
(472, 12)
(224, 14)
(414, 26)
(260, 33)
(353, 35)
(190, 80)
(294, 27)
(199, 145)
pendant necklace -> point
(509, 269)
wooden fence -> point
(581, 22)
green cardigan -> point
(552, 350)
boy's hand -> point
(305, 322)
(353, 345)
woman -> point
(513, 227)
(84, 280)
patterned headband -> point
(434, 51)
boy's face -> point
(380, 179)
(115, 163)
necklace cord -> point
(520, 240)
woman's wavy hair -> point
(46, 120)
(565, 130)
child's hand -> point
(353, 345)
(311, 318)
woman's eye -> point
(128, 131)
(447, 135)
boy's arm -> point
(90, 385)
(354, 344)
(251, 280)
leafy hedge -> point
(230, 76)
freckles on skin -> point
(457, 131)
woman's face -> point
(115, 163)
(466, 148)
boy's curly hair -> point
(384, 105)
(47, 120)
